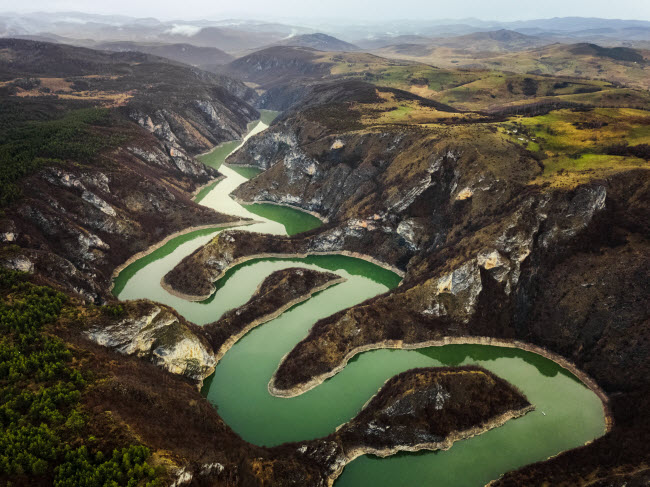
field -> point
(586, 61)
(495, 85)
(575, 145)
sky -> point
(352, 10)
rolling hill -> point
(318, 41)
(183, 53)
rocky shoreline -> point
(247, 258)
(446, 444)
(170, 237)
(468, 340)
(196, 192)
(295, 279)
(419, 409)
(155, 332)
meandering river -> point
(568, 414)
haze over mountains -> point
(477, 190)
(236, 36)
(321, 42)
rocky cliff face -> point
(186, 107)
(414, 190)
(195, 125)
(82, 218)
(491, 282)
(490, 251)
(91, 219)
(156, 333)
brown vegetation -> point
(278, 291)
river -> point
(568, 414)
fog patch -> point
(183, 29)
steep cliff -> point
(185, 108)
(154, 332)
(502, 243)
(97, 153)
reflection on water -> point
(247, 172)
(452, 355)
(293, 222)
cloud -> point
(183, 30)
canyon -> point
(497, 242)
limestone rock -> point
(154, 332)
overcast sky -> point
(358, 10)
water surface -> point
(568, 414)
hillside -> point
(283, 76)
(383, 41)
(621, 65)
(97, 150)
(493, 41)
(319, 41)
(277, 65)
(183, 53)
(505, 228)
(227, 39)
(464, 192)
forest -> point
(26, 146)
(41, 406)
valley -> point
(231, 388)
(251, 253)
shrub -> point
(113, 310)
(642, 151)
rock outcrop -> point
(95, 219)
(96, 211)
(156, 333)
(488, 250)
(479, 286)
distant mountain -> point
(228, 35)
(621, 64)
(36, 37)
(500, 41)
(277, 64)
(225, 38)
(611, 29)
(383, 41)
(59, 60)
(258, 26)
(616, 53)
(318, 41)
(493, 41)
(240, 36)
(575, 24)
(184, 53)
(405, 50)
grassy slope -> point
(575, 145)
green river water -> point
(568, 414)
